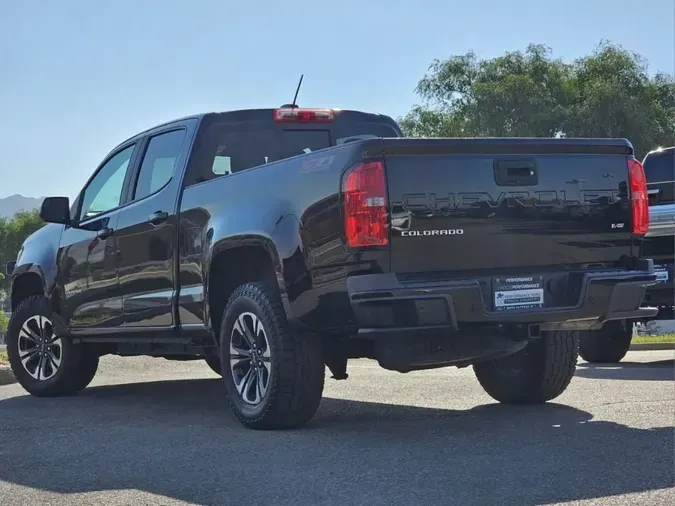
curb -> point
(6, 375)
(651, 346)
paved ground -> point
(379, 438)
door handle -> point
(104, 233)
(158, 217)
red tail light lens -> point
(296, 115)
(638, 197)
(365, 205)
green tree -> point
(615, 97)
(530, 94)
(13, 233)
(4, 321)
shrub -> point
(3, 322)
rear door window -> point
(159, 162)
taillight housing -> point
(638, 197)
(297, 115)
(366, 215)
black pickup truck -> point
(611, 343)
(273, 243)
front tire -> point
(609, 344)
(273, 377)
(214, 363)
(536, 374)
(44, 364)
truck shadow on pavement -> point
(178, 439)
(661, 370)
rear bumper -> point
(661, 220)
(384, 306)
(662, 294)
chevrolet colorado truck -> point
(611, 343)
(273, 243)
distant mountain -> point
(15, 203)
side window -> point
(104, 192)
(239, 149)
(158, 163)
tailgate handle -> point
(516, 173)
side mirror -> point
(56, 210)
(9, 268)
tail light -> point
(638, 197)
(365, 205)
(296, 115)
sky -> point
(79, 76)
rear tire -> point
(278, 375)
(538, 373)
(609, 344)
(44, 364)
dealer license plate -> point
(517, 292)
(662, 275)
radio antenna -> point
(297, 90)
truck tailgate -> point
(462, 206)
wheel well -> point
(26, 285)
(232, 268)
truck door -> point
(87, 260)
(147, 230)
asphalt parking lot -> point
(150, 431)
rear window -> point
(239, 148)
(297, 142)
(660, 167)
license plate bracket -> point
(512, 293)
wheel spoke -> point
(239, 351)
(27, 333)
(253, 385)
(244, 382)
(41, 325)
(259, 390)
(249, 336)
(244, 331)
(46, 361)
(53, 360)
(258, 327)
(268, 367)
(236, 360)
(27, 355)
(38, 369)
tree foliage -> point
(4, 321)
(530, 94)
(13, 233)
